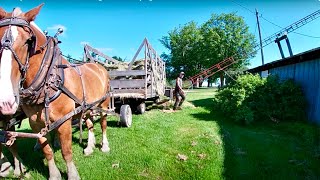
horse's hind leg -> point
(91, 138)
(105, 144)
(65, 137)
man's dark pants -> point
(180, 97)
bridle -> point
(7, 43)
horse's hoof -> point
(55, 177)
(74, 178)
(6, 168)
(19, 173)
(27, 176)
(88, 151)
(105, 149)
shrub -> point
(250, 98)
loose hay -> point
(188, 104)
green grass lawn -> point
(213, 147)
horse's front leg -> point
(54, 173)
(5, 166)
(19, 168)
(65, 137)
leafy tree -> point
(182, 42)
(118, 58)
(224, 36)
(69, 58)
(195, 48)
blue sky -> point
(117, 27)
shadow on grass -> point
(33, 160)
(265, 150)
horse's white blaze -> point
(6, 91)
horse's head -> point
(18, 41)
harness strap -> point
(38, 81)
(14, 21)
(59, 122)
(70, 94)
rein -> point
(48, 83)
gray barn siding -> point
(307, 74)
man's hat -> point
(182, 72)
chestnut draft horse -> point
(50, 91)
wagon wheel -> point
(125, 115)
(141, 108)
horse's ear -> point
(3, 13)
(31, 15)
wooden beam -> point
(137, 53)
(127, 73)
(89, 48)
(118, 91)
(127, 83)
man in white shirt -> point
(178, 92)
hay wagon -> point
(134, 83)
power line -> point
(293, 32)
(246, 8)
(243, 7)
(316, 37)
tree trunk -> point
(221, 79)
(209, 81)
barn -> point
(303, 68)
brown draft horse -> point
(23, 59)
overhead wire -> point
(310, 36)
(246, 8)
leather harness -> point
(48, 83)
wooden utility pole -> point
(262, 58)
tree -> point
(69, 58)
(182, 42)
(224, 36)
(193, 49)
(118, 58)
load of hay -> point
(123, 66)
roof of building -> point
(301, 57)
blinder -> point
(7, 42)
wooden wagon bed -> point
(140, 80)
